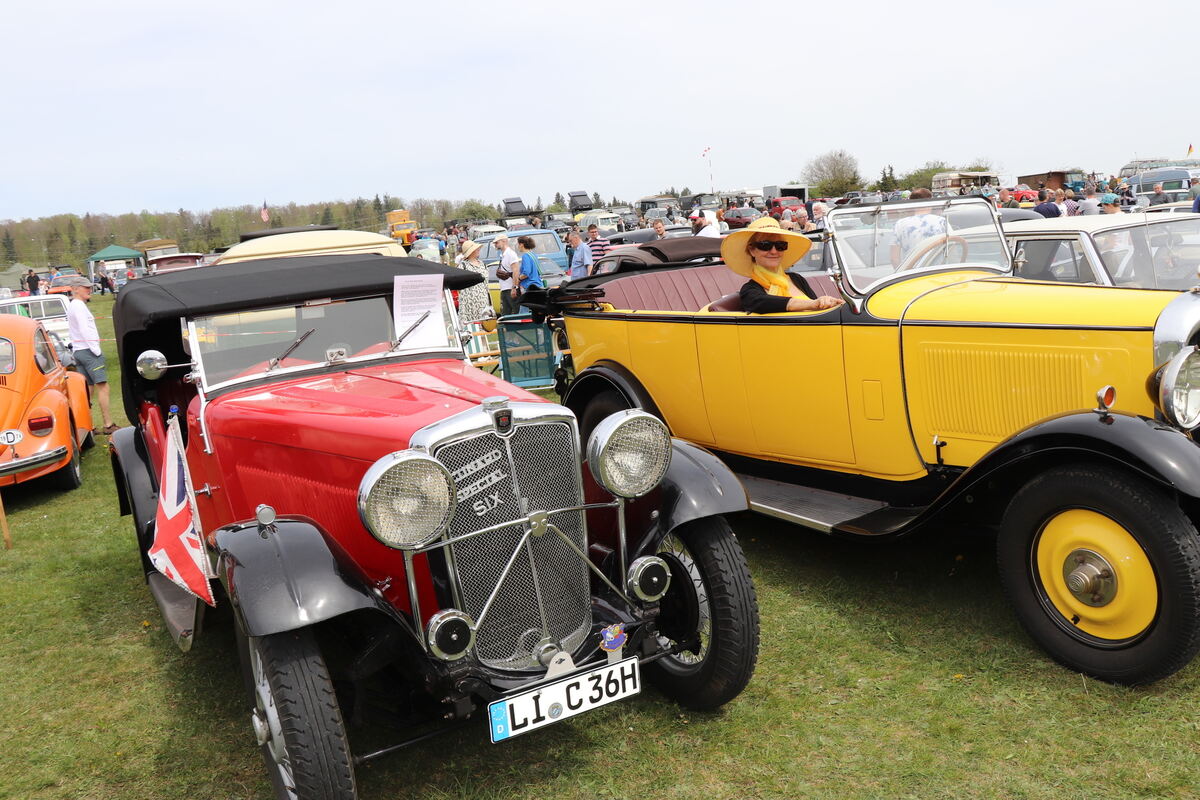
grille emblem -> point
(502, 419)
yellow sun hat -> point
(733, 246)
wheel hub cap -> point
(262, 731)
(1090, 578)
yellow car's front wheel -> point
(1103, 569)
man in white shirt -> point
(508, 264)
(85, 344)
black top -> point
(755, 299)
(262, 282)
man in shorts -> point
(85, 343)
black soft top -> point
(147, 312)
(220, 288)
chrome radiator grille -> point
(546, 595)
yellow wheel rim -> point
(1128, 605)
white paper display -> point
(419, 297)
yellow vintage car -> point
(944, 388)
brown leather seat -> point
(686, 289)
(819, 283)
(730, 302)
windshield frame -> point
(860, 288)
(453, 349)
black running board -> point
(824, 511)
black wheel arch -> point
(290, 577)
(1162, 454)
(137, 487)
(608, 375)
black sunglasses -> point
(769, 244)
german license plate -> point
(563, 699)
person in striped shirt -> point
(596, 243)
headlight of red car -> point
(406, 499)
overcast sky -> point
(123, 106)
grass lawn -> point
(886, 671)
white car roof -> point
(1093, 223)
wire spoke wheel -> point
(296, 719)
(711, 610)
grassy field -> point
(886, 671)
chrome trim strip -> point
(414, 601)
(518, 521)
(201, 388)
(34, 461)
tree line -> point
(834, 173)
(69, 239)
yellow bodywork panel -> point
(663, 356)
(975, 387)
(797, 391)
(1016, 301)
(876, 403)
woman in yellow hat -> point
(762, 252)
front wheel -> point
(296, 718)
(711, 610)
(1103, 569)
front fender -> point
(1162, 453)
(698, 484)
(137, 491)
(291, 576)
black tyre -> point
(1103, 570)
(603, 404)
(70, 475)
(711, 605)
(89, 440)
(296, 717)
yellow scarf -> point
(776, 283)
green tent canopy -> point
(113, 252)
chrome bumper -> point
(28, 463)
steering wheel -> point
(928, 246)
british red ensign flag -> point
(178, 550)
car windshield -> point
(240, 346)
(1157, 255)
(873, 243)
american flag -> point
(177, 551)
(266, 215)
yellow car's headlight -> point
(406, 499)
(1179, 389)
(629, 453)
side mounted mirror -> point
(151, 365)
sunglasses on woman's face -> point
(769, 244)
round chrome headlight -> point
(629, 452)
(1179, 389)
(406, 499)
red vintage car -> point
(741, 217)
(404, 533)
(45, 419)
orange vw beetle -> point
(45, 419)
